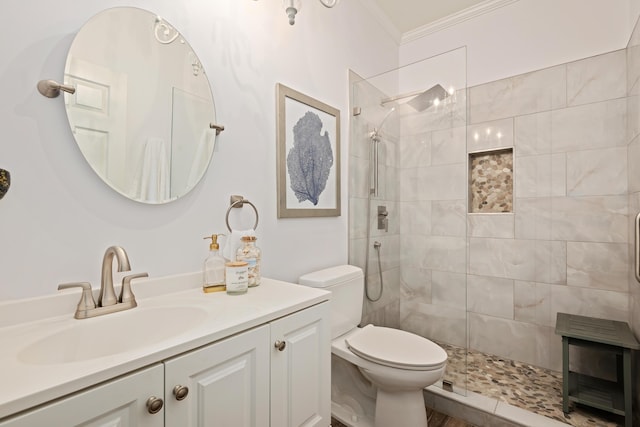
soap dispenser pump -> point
(213, 271)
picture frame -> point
(308, 156)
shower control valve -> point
(383, 220)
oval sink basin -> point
(112, 334)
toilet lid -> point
(396, 348)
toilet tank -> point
(346, 284)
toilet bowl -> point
(399, 364)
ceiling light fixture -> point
(292, 7)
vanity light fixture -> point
(292, 7)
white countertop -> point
(24, 322)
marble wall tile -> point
(559, 174)
(634, 166)
(448, 218)
(550, 261)
(409, 184)
(490, 135)
(597, 78)
(416, 284)
(443, 324)
(358, 177)
(598, 265)
(448, 146)
(589, 126)
(359, 141)
(532, 302)
(633, 117)
(503, 337)
(589, 219)
(356, 252)
(597, 172)
(445, 254)
(540, 175)
(415, 217)
(491, 225)
(434, 252)
(533, 92)
(533, 218)
(549, 350)
(443, 182)
(527, 260)
(633, 62)
(415, 150)
(492, 296)
(532, 134)
(449, 289)
(357, 215)
(589, 302)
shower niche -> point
(491, 181)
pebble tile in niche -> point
(491, 181)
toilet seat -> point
(396, 348)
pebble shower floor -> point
(535, 389)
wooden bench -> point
(602, 334)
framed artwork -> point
(308, 156)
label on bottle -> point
(237, 277)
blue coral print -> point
(310, 159)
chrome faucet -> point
(107, 300)
(107, 293)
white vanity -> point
(181, 358)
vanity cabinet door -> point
(120, 402)
(301, 369)
(228, 383)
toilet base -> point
(400, 409)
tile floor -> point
(525, 386)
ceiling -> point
(407, 15)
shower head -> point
(428, 98)
(422, 100)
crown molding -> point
(451, 20)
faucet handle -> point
(126, 295)
(86, 300)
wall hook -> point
(51, 88)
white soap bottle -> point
(213, 270)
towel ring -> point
(238, 202)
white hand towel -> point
(151, 183)
(233, 242)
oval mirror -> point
(142, 110)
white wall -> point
(531, 34)
(59, 217)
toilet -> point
(399, 364)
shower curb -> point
(483, 411)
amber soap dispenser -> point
(213, 270)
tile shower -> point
(493, 282)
